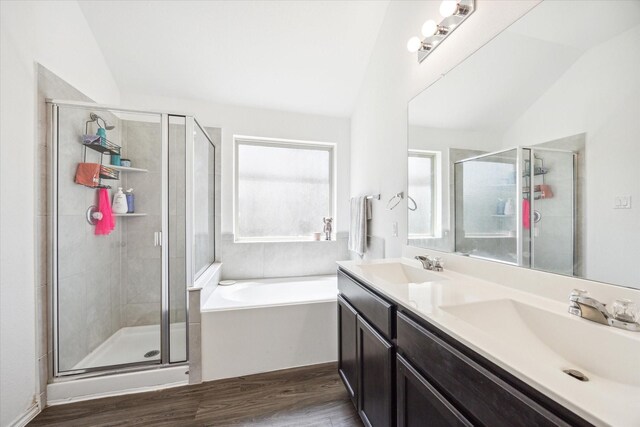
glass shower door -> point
(486, 206)
(552, 220)
(108, 280)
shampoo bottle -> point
(509, 207)
(119, 205)
(131, 207)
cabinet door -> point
(347, 350)
(420, 404)
(375, 377)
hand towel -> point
(88, 174)
(358, 225)
(105, 225)
(526, 213)
(545, 191)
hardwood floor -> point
(309, 396)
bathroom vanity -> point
(443, 348)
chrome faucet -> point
(429, 263)
(582, 305)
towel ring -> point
(415, 205)
(398, 196)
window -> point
(283, 189)
(423, 188)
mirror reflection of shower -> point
(518, 206)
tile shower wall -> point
(88, 265)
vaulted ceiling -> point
(305, 56)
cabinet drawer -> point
(472, 388)
(419, 403)
(376, 310)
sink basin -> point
(558, 339)
(399, 273)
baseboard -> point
(26, 418)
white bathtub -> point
(265, 325)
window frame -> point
(329, 147)
(436, 194)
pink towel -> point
(107, 223)
(526, 213)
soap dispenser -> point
(119, 205)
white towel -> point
(360, 213)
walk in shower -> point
(518, 206)
(120, 277)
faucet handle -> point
(577, 293)
(438, 264)
(625, 310)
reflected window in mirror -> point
(424, 194)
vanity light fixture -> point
(454, 12)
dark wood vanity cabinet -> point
(366, 353)
(402, 370)
(484, 397)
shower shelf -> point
(107, 148)
(127, 169)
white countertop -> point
(601, 401)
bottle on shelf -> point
(119, 205)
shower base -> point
(131, 344)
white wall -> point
(56, 35)
(598, 95)
(379, 121)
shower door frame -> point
(164, 362)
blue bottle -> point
(130, 201)
(102, 133)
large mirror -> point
(528, 152)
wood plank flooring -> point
(308, 396)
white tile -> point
(242, 260)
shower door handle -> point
(157, 238)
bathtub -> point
(265, 325)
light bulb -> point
(448, 8)
(414, 44)
(429, 28)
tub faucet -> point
(582, 305)
(429, 263)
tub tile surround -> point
(248, 260)
(467, 280)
